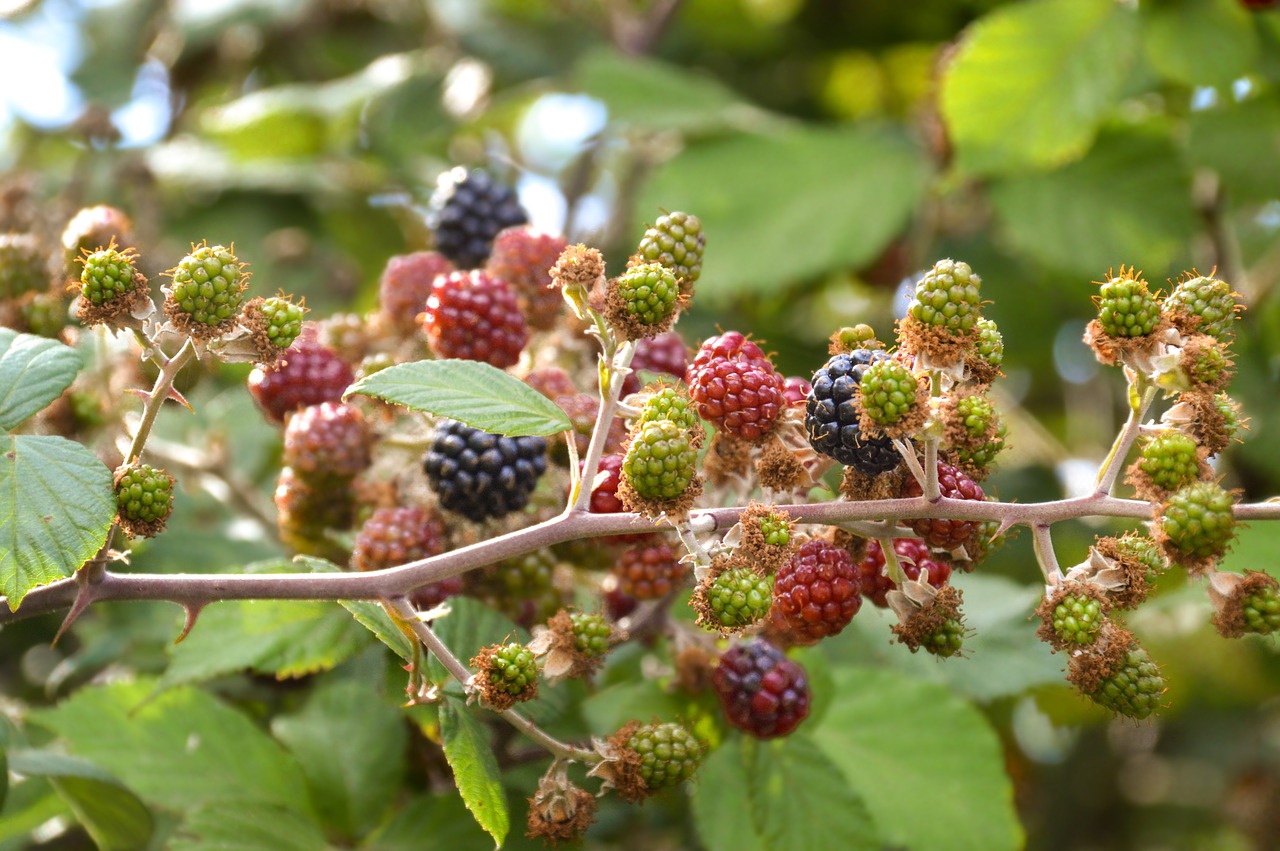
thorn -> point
(139, 392)
(82, 601)
(192, 612)
(180, 399)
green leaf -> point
(1241, 142)
(56, 507)
(757, 195)
(33, 372)
(1199, 42)
(650, 95)
(475, 768)
(1032, 82)
(469, 626)
(283, 638)
(31, 803)
(443, 818)
(480, 395)
(927, 764)
(248, 826)
(1129, 201)
(180, 749)
(367, 613)
(4, 777)
(351, 746)
(111, 814)
(723, 810)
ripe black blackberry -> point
(481, 475)
(831, 415)
(468, 210)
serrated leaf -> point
(56, 507)
(283, 638)
(1129, 201)
(180, 749)
(33, 372)
(351, 746)
(111, 814)
(475, 768)
(894, 737)
(475, 393)
(248, 826)
(1032, 82)
(1199, 42)
(372, 616)
(756, 196)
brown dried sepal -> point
(982, 374)
(1094, 663)
(127, 310)
(858, 487)
(1198, 346)
(854, 545)
(694, 667)
(930, 618)
(757, 553)
(497, 699)
(559, 811)
(728, 460)
(1228, 617)
(559, 645)
(940, 346)
(578, 266)
(673, 510)
(778, 469)
(626, 323)
(1045, 632)
(1149, 491)
(1111, 350)
(956, 437)
(266, 352)
(1137, 584)
(1197, 414)
(619, 767)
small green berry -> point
(1169, 460)
(1126, 308)
(990, 345)
(1197, 521)
(738, 597)
(1077, 619)
(1202, 304)
(669, 404)
(677, 242)
(108, 274)
(506, 674)
(144, 500)
(283, 320)
(888, 392)
(1261, 611)
(1134, 689)
(591, 634)
(775, 530)
(669, 754)
(947, 640)
(948, 297)
(649, 293)
(208, 286)
(661, 462)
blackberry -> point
(506, 674)
(144, 500)
(522, 588)
(888, 392)
(1202, 305)
(475, 316)
(469, 209)
(665, 354)
(816, 592)
(948, 297)
(523, 257)
(23, 265)
(670, 404)
(395, 536)
(913, 557)
(406, 284)
(1126, 308)
(208, 286)
(1196, 524)
(308, 374)
(796, 390)
(1168, 461)
(735, 598)
(668, 755)
(109, 274)
(591, 634)
(731, 345)
(661, 461)
(945, 534)
(481, 475)
(604, 497)
(1072, 616)
(327, 441)
(677, 242)
(309, 512)
(990, 345)
(742, 398)
(831, 415)
(1134, 688)
(761, 691)
(648, 572)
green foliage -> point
(475, 768)
(33, 372)
(111, 814)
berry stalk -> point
(1042, 541)
(159, 392)
(1141, 395)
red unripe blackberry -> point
(468, 210)
(307, 374)
(796, 390)
(913, 556)
(665, 354)
(742, 398)
(475, 316)
(523, 257)
(816, 592)
(327, 440)
(731, 345)
(394, 536)
(762, 691)
(648, 572)
(946, 534)
(604, 497)
(406, 284)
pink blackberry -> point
(913, 555)
(816, 592)
(307, 374)
(475, 316)
(406, 285)
(523, 257)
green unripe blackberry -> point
(1126, 308)
(1077, 619)
(45, 314)
(851, 337)
(1204, 305)
(661, 461)
(591, 634)
(947, 640)
(1169, 460)
(208, 287)
(1141, 550)
(1197, 522)
(23, 265)
(948, 297)
(1134, 689)
(670, 404)
(1230, 412)
(738, 597)
(144, 500)
(975, 415)
(283, 320)
(506, 674)
(108, 274)
(1261, 610)
(888, 392)
(676, 241)
(669, 754)
(648, 293)
(522, 588)
(990, 345)
(1205, 367)
(775, 530)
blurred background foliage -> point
(833, 148)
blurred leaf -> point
(609, 708)
(1031, 82)
(111, 814)
(475, 393)
(56, 507)
(1199, 42)
(650, 95)
(31, 803)
(179, 749)
(780, 208)
(475, 768)
(284, 638)
(4, 777)
(444, 818)
(33, 372)
(1129, 201)
(1241, 142)
(351, 746)
(927, 764)
(248, 826)
(748, 797)
(201, 22)
(280, 122)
